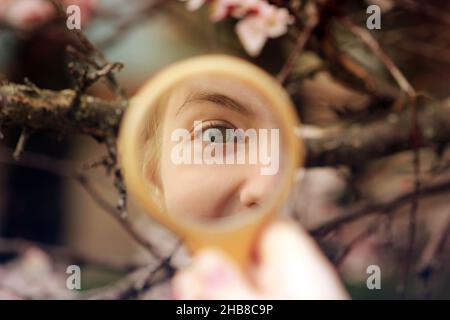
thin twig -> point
(373, 44)
(421, 7)
(66, 170)
(137, 282)
(428, 260)
(23, 139)
(379, 207)
(19, 246)
(91, 49)
(353, 243)
(305, 34)
(48, 110)
(407, 88)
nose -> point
(256, 189)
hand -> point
(288, 265)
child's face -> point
(206, 107)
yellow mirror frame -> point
(234, 238)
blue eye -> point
(217, 134)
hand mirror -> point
(208, 149)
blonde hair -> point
(152, 145)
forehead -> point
(232, 87)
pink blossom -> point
(259, 20)
(193, 5)
(245, 7)
(276, 20)
(29, 14)
(220, 9)
(251, 33)
(268, 22)
(25, 14)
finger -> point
(292, 266)
(212, 276)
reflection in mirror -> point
(213, 149)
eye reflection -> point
(216, 132)
(224, 158)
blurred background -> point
(48, 221)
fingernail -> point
(173, 295)
(217, 277)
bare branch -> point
(48, 110)
(305, 34)
(380, 207)
(370, 42)
(66, 170)
(359, 143)
(41, 109)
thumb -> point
(214, 276)
(292, 266)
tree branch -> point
(24, 106)
(380, 207)
(64, 169)
(359, 143)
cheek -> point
(195, 190)
(198, 191)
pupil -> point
(216, 135)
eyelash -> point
(213, 124)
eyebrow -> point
(218, 99)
